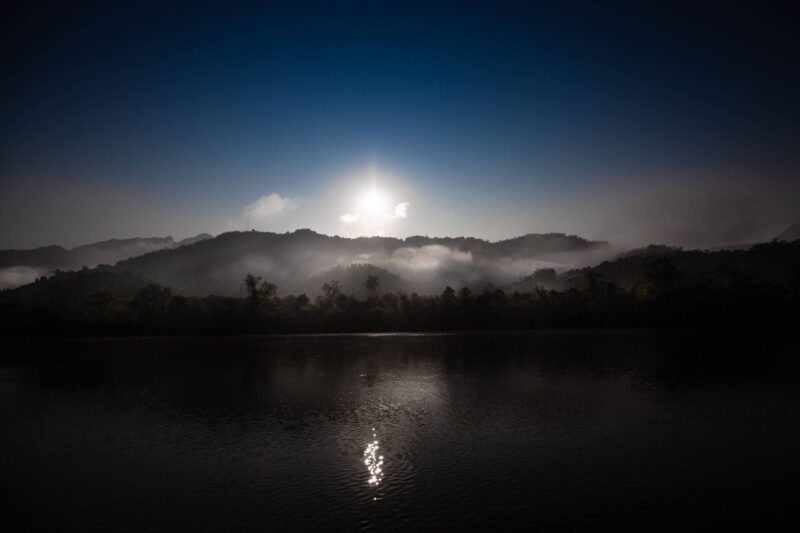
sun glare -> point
(373, 202)
(372, 209)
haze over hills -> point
(295, 261)
(655, 286)
(790, 234)
(351, 280)
(18, 267)
(301, 261)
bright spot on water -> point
(374, 461)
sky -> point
(669, 122)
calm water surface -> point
(545, 430)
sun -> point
(373, 201)
(373, 208)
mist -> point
(301, 261)
(20, 275)
(689, 213)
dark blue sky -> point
(663, 122)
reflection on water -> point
(374, 461)
(547, 430)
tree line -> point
(662, 295)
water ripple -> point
(374, 461)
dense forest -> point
(653, 287)
(301, 261)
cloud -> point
(401, 210)
(351, 218)
(270, 205)
(15, 276)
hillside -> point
(792, 233)
(78, 288)
(775, 262)
(351, 280)
(18, 267)
(91, 255)
(653, 287)
(294, 261)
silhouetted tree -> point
(465, 295)
(257, 292)
(372, 283)
(251, 289)
(330, 294)
(448, 296)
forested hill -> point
(656, 286)
(775, 262)
(103, 252)
(294, 261)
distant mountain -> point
(744, 246)
(776, 261)
(654, 286)
(192, 240)
(23, 266)
(790, 234)
(295, 261)
(91, 255)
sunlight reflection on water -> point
(374, 461)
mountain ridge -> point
(18, 267)
(57, 256)
(792, 233)
(292, 259)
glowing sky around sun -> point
(637, 124)
(374, 211)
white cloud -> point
(401, 210)
(372, 222)
(270, 205)
(352, 218)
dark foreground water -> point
(550, 430)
